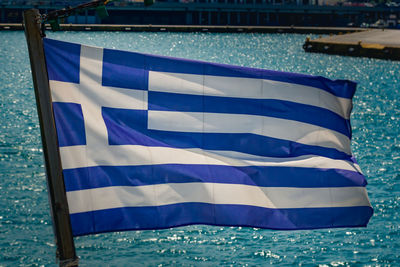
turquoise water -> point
(26, 236)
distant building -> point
(220, 12)
(329, 2)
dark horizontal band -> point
(161, 217)
(103, 176)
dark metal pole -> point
(55, 182)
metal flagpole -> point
(55, 182)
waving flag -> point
(151, 142)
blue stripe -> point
(62, 60)
(262, 107)
(124, 70)
(130, 62)
(129, 70)
(267, 176)
(161, 217)
(129, 127)
(69, 123)
(342, 88)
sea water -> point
(26, 235)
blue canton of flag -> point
(151, 142)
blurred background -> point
(355, 13)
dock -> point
(191, 28)
(376, 43)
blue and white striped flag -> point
(151, 142)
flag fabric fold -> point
(151, 142)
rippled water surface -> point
(26, 236)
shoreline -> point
(192, 28)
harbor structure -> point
(220, 12)
(377, 43)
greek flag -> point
(152, 142)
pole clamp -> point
(69, 262)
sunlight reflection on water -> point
(25, 226)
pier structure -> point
(190, 28)
(378, 43)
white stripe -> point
(295, 131)
(130, 155)
(91, 69)
(102, 95)
(214, 193)
(65, 92)
(248, 88)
